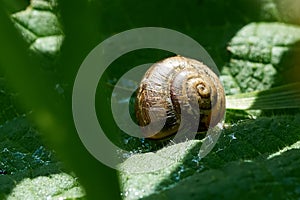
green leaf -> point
(262, 55)
(56, 186)
(275, 178)
(40, 27)
(250, 156)
(29, 170)
(8, 107)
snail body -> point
(177, 86)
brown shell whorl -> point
(179, 81)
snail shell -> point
(179, 81)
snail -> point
(174, 86)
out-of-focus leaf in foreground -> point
(29, 170)
(32, 74)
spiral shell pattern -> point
(175, 86)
